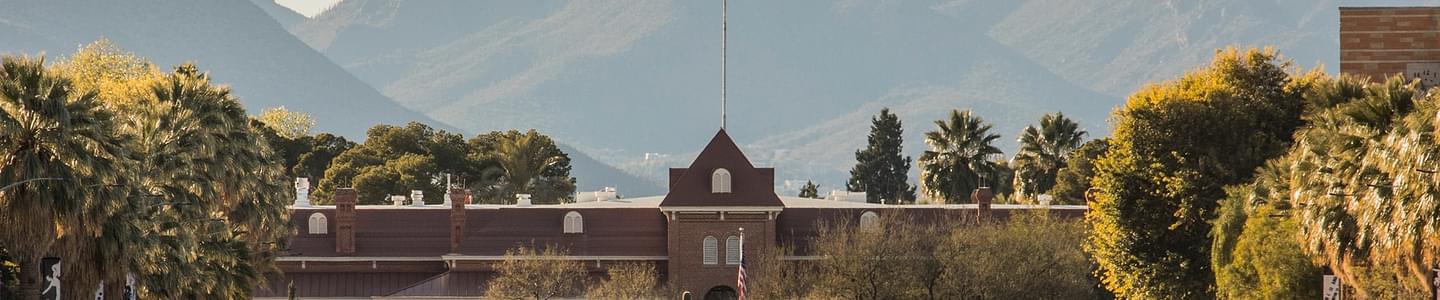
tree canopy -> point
(1073, 180)
(1174, 148)
(288, 124)
(1044, 150)
(124, 170)
(880, 171)
(960, 158)
(809, 190)
(396, 160)
(1364, 182)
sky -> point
(309, 8)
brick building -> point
(1380, 42)
(692, 234)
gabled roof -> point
(750, 186)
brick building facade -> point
(1379, 42)
(692, 234)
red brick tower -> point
(708, 204)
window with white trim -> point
(318, 223)
(720, 181)
(732, 250)
(710, 257)
(574, 223)
(869, 221)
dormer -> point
(722, 176)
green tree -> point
(1044, 150)
(533, 273)
(120, 78)
(322, 150)
(9, 276)
(1174, 148)
(514, 162)
(960, 157)
(1256, 252)
(880, 171)
(394, 161)
(288, 124)
(59, 155)
(809, 190)
(1073, 180)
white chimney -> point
(398, 200)
(417, 198)
(447, 199)
(522, 200)
(302, 192)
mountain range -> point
(245, 45)
(636, 82)
(634, 85)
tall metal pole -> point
(724, 40)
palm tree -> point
(57, 157)
(522, 159)
(1365, 189)
(233, 192)
(205, 208)
(959, 158)
(1044, 151)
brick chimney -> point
(345, 221)
(982, 197)
(458, 199)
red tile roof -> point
(409, 232)
(340, 284)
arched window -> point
(710, 257)
(869, 221)
(720, 181)
(574, 223)
(732, 250)
(318, 224)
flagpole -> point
(742, 288)
(724, 40)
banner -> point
(1331, 288)
(50, 285)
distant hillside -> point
(620, 79)
(282, 15)
(240, 44)
(243, 47)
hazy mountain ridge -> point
(240, 44)
(244, 46)
(281, 14)
(804, 76)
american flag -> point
(740, 276)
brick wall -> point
(1380, 42)
(687, 233)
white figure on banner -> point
(53, 280)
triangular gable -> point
(750, 186)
